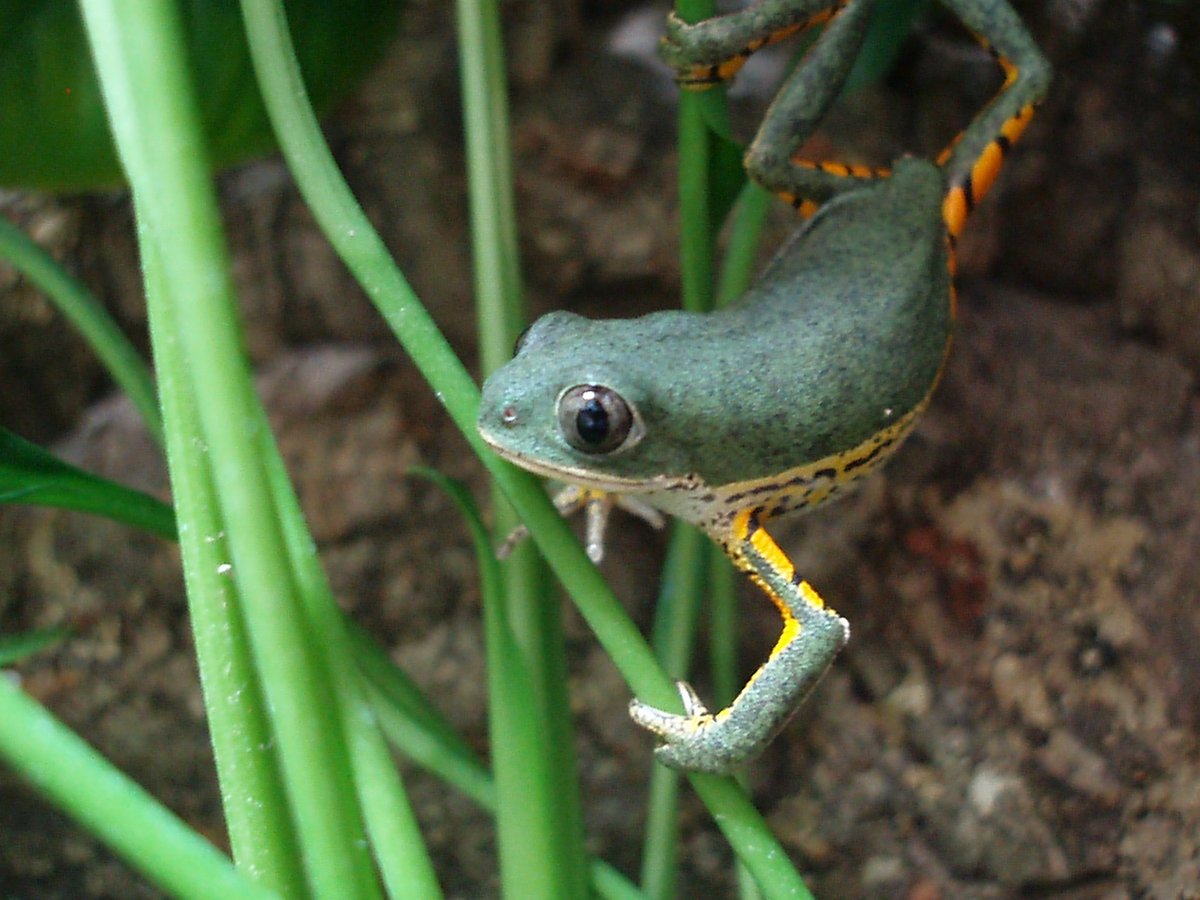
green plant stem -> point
(741, 253)
(539, 820)
(698, 113)
(261, 832)
(523, 808)
(425, 741)
(90, 317)
(737, 268)
(499, 302)
(428, 741)
(516, 731)
(680, 594)
(396, 840)
(364, 253)
(148, 96)
(675, 617)
(56, 761)
(697, 229)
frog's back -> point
(842, 336)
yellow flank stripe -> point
(791, 628)
(776, 489)
(820, 495)
(784, 612)
(745, 687)
(801, 205)
(944, 156)
(870, 171)
(741, 524)
(784, 33)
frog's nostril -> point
(509, 415)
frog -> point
(790, 396)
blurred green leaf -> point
(891, 24)
(53, 130)
(28, 474)
(15, 647)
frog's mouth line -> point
(613, 484)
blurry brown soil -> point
(1016, 713)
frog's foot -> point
(697, 741)
(597, 505)
(709, 52)
(812, 635)
(700, 741)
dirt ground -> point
(1016, 713)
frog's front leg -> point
(596, 505)
(812, 635)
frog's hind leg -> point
(712, 51)
(811, 637)
(975, 156)
(798, 109)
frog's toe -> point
(696, 741)
(673, 29)
(672, 46)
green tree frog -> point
(791, 395)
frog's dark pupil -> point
(592, 422)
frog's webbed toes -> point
(697, 741)
(665, 724)
(671, 45)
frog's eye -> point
(596, 419)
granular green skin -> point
(844, 332)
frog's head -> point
(569, 405)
